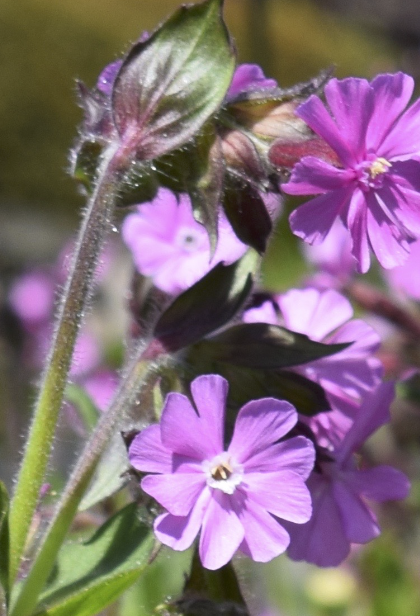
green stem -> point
(128, 394)
(91, 239)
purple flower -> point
(347, 376)
(333, 259)
(339, 489)
(171, 247)
(375, 190)
(233, 495)
(248, 78)
(100, 386)
(405, 279)
(32, 298)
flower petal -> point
(265, 538)
(259, 424)
(313, 220)
(178, 491)
(209, 393)
(351, 103)
(381, 483)
(359, 522)
(365, 340)
(148, 454)
(313, 312)
(312, 176)
(179, 532)
(356, 222)
(392, 94)
(221, 533)
(296, 454)
(282, 493)
(317, 117)
(184, 432)
(403, 140)
(321, 540)
(389, 246)
(373, 413)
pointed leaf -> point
(247, 213)
(91, 575)
(207, 305)
(197, 169)
(259, 345)
(169, 85)
(138, 184)
(84, 405)
(246, 384)
(109, 475)
(85, 161)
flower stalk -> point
(137, 377)
(93, 231)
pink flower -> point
(375, 190)
(234, 495)
(32, 298)
(339, 489)
(333, 259)
(171, 247)
(405, 279)
(347, 376)
(248, 78)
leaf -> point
(109, 475)
(138, 184)
(85, 162)
(4, 538)
(197, 169)
(169, 85)
(246, 384)
(78, 397)
(207, 305)
(91, 575)
(247, 213)
(259, 345)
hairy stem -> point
(93, 231)
(137, 376)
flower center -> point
(223, 473)
(380, 165)
(188, 239)
(371, 173)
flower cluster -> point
(245, 414)
(251, 495)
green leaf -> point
(259, 345)
(207, 305)
(246, 384)
(4, 539)
(78, 397)
(86, 159)
(138, 184)
(170, 84)
(206, 183)
(109, 475)
(247, 213)
(91, 575)
(197, 169)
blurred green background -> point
(44, 46)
